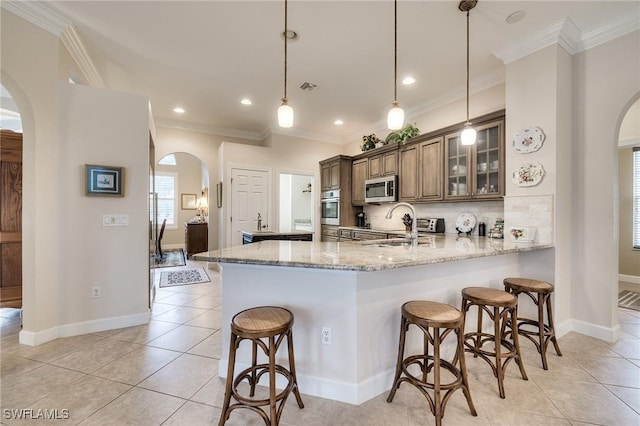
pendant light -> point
(468, 136)
(285, 112)
(395, 119)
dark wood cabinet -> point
(196, 238)
(421, 171)
(358, 176)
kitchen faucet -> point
(414, 226)
(259, 222)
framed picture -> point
(105, 180)
(219, 194)
(189, 201)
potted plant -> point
(403, 135)
(370, 142)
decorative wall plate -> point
(529, 174)
(528, 140)
(465, 222)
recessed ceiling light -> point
(178, 110)
(408, 80)
(246, 101)
(516, 17)
(338, 122)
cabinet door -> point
(488, 159)
(476, 171)
(383, 164)
(430, 170)
(325, 177)
(358, 176)
(335, 175)
(408, 181)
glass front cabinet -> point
(475, 171)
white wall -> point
(606, 84)
(88, 250)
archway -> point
(21, 114)
(628, 254)
(182, 187)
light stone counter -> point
(372, 255)
(357, 291)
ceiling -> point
(205, 56)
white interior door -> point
(249, 196)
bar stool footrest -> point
(259, 370)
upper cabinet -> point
(384, 163)
(475, 171)
(330, 174)
(421, 171)
(358, 176)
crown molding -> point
(46, 17)
(316, 137)
(570, 38)
(72, 41)
(39, 14)
(611, 31)
(563, 32)
(210, 130)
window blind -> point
(166, 184)
(636, 197)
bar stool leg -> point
(497, 338)
(396, 378)
(552, 328)
(273, 418)
(292, 369)
(224, 416)
(516, 343)
(254, 361)
(463, 369)
(478, 342)
(541, 336)
(437, 397)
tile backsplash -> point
(515, 210)
(484, 211)
(535, 210)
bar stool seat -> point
(505, 306)
(535, 329)
(442, 319)
(273, 324)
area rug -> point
(183, 277)
(173, 257)
(629, 299)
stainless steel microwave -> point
(381, 190)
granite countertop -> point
(372, 255)
(274, 233)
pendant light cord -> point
(467, 66)
(285, 50)
(395, 51)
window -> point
(166, 184)
(636, 197)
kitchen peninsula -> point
(356, 289)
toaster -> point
(431, 225)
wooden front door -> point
(10, 219)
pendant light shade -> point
(468, 136)
(285, 112)
(395, 118)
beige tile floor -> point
(165, 373)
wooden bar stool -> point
(505, 307)
(539, 292)
(443, 319)
(254, 324)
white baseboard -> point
(32, 338)
(608, 334)
(351, 393)
(633, 279)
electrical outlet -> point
(326, 335)
(95, 292)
